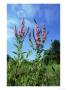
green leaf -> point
(29, 53)
(15, 53)
(16, 45)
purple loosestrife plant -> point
(19, 37)
(39, 39)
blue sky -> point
(48, 14)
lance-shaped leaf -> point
(16, 45)
(34, 36)
(28, 53)
(35, 21)
(55, 72)
(24, 52)
(15, 53)
(30, 41)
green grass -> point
(34, 73)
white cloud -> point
(28, 10)
(21, 13)
(10, 33)
(12, 22)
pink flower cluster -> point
(37, 36)
(21, 32)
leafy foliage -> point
(32, 73)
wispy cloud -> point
(10, 34)
(12, 22)
(29, 10)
